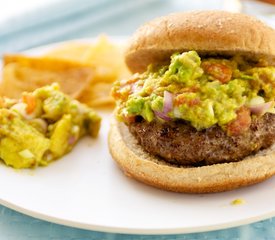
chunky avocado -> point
(42, 126)
(21, 145)
(201, 91)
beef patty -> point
(179, 143)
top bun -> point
(207, 32)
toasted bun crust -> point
(208, 32)
(142, 166)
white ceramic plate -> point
(86, 189)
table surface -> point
(70, 19)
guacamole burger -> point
(198, 114)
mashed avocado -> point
(201, 91)
(42, 126)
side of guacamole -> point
(42, 126)
(201, 91)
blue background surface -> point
(70, 19)
(15, 226)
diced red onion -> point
(260, 109)
(168, 102)
(71, 140)
(162, 116)
(167, 107)
(135, 88)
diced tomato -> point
(189, 89)
(182, 99)
(30, 101)
(121, 93)
(130, 80)
(124, 88)
(218, 71)
(241, 123)
(266, 79)
(129, 119)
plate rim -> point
(136, 231)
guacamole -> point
(42, 126)
(200, 91)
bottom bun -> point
(140, 165)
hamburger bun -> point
(207, 32)
(140, 165)
(210, 33)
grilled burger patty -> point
(179, 143)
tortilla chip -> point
(85, 71)
(22, 73)
(105, 57)
(73, 51)
(108, 59)
(98, 94)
